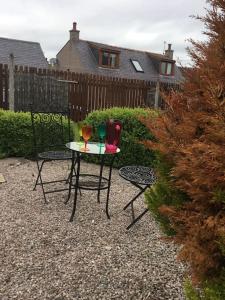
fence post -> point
(156, 105)
(11, 82)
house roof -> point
(147, 60)
(25, 53)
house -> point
(83, 56)
(17, 53)
(23, 53)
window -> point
(137, 66)
(108, 59)
(166, 68)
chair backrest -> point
(51, 130)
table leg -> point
(100, 177)
(71, 176)
(76, 187)
(108, 190)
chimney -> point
(74, 33)
(169, 52)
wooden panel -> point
(1, 86)
(84, 92)
(4, 86)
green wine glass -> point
(101, 133)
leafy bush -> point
(162, 193)
(211, 290)
(133, 131)
(16, 136)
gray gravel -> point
(43, 256)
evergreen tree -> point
(191, 137)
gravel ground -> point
(43, 256)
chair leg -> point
(139, 194)
(40, 178)
(39, 172)
(138, 218)
(132, 207)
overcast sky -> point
(141, 24)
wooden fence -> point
(84, 92)
(4, 87)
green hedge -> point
(133, 131)
(16, 137)
(210, 290)
(163, 193)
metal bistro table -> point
(93, 182)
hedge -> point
(133, 131)
(16, 136)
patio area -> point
(44, 256)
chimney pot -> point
(169, 52)
(74, 33)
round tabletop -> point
(138, 174)
(94, 148)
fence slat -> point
(85, 92)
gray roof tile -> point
(126, 69)
(25, 53)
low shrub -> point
(162, 193)
(16, 136)
(133, 131)
(210, 290)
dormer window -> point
(108, 59)
(137, 65)
(167, 68)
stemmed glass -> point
(113, 129)
(101, 133)
(86, 133)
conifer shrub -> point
(190, 136)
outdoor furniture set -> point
(53, 142)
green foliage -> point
(133, 131)
(16, 136)
(211, 290)
(163, 192)
(218, 196)
(190, 291)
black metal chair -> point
(51, 131)
(142, 178)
